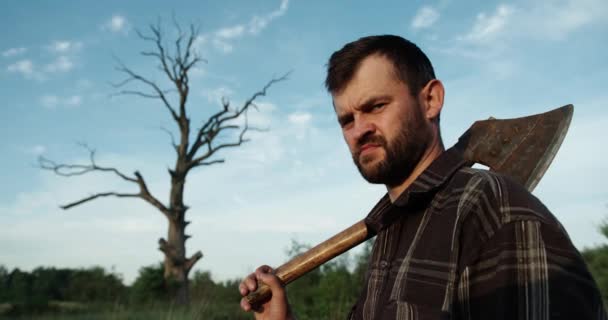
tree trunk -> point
(176, 271)
(177, 265)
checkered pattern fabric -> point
(464, 243)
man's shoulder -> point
(493, 208)
(490, 193)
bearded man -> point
(453, 242)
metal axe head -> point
(522, 148)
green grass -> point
(72, 311)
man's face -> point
(382, 123)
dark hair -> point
(412, 66)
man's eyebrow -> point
(374, 99)
(345, 117)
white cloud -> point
(61, 46)
(196, 72)
(556, 20)
(230, 32)
(301, 126)
(53, 101)
(266, 106)
(62, 61)
(425, 18)
(84, 84)
(65, 46)
(544, 20)
(13, 52)
(258, 23)
(25, 67)
(199, 42)
(222, 45)
(49, 101)
(66, 51)
(216, 95)
(73, 101)
(36, 150)
(117, 23)
(489, 27)
(300, 118)
(61, 64)
(221, 38)
(261, 117)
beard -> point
(402, 153)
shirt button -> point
(383, 264)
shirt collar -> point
(418, 193)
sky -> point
(296, 181)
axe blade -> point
(522, 148)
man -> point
(453, 242)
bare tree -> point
(194, 148)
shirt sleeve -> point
(528, 270)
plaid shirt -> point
(462, 243)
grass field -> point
(73, 311)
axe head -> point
(522, 148)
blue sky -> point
(296, 181)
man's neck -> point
(427, 158)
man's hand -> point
(277, 308)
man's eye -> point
(378, 106)
(345, 122)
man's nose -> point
(363, 127)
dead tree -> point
(194, 148)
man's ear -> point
(431, 99)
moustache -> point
(370, 139)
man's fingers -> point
(248, 284)
(266, 274)
(271, 280)
(243, 288)
(277, 306)
(245, 305)
(264, 269)
(251, 282)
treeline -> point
(95, 293)
(45, 288)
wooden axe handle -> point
(302, 264)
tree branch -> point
(208, 163)
(217, 123)
(136, 77)
(175, 65)
(145, 194)
(170, 133)
(99, 195)
(70, 170)
(192, 260)
(167, 249)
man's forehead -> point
(378, 64)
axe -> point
(522, 148)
